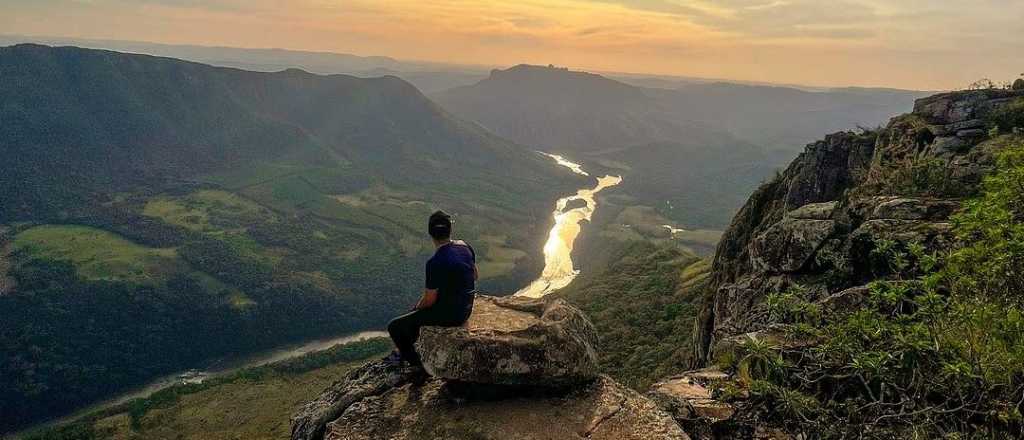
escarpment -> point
(818, 227)
(816, 223)
(519, 369)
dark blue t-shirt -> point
(450, 271)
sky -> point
(914, 44)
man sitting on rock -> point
(447, 300)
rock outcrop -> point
(438, 409)
(520, 369)
(822, 228)
(372, 379)
(816, 225)
(514, 341)
(688, 399)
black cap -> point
(439, 225)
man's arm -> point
(428, 299)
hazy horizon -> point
(921, 45)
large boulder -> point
(600, 410)
(789, 244)
(521, 369)
(514, 341)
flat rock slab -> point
(601, 410)
(514, 341)
(901, 208)
(686, 399)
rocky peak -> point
(816, 224)
(520, 369)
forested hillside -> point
(158, 213)
(643, 303)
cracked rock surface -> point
(602, 410)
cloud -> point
(769, 18)
(909, 43)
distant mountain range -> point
(426, 76)
(579, 111)
(553, 108)
(691, 151)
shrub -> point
(1018, 84)
(939, 356)
(922, 176)
(1008, 117)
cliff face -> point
(815, 225)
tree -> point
(1019, 83)
(982, 84)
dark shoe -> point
(393, 360)
(417, 375)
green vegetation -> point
(936, 352)
(253, 403)
(499, 258)
(923, 177)
(643, 304)
(1009, 118)
(195, 210)
(165, 213)
(97, 254)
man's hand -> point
(428, 299)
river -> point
(558, 267)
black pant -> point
(405, 329)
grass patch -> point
(176, 213)
(98, 254)
(204, 210)
(498, 258)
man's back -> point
(451, 272)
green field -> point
(97, 254)
(194, 211)
(497, 257)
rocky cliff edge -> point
(520, 369)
